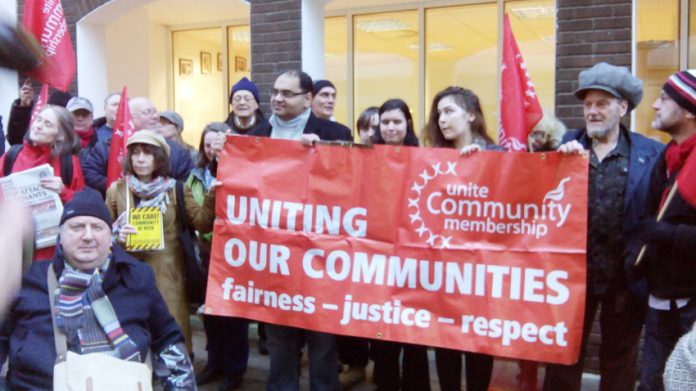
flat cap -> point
(147, 136)
(613, 79)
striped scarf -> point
(84, 313)
(154, 193)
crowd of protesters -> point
(641, 264)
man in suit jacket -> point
(620, 165)
(292, 119)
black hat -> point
(87, 202)
(320, 84)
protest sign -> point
(148, 222)
(482, 253)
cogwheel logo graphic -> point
(420, 226)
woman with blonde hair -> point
(547, 134)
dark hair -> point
(160, 160)
(365, 119)
(411, 139)
(70, 143)
(467, 100)
(216, 127)
(306, 83)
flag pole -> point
(660, 215)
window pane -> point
(534, 26)
(197, 80)
(238, 50)
(386, 60)
(657, 55)
(467, 58)
(336, 63)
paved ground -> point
(504, 371)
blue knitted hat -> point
(245, 84)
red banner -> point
(123, 129)
(483, 253)
(519, 106)
(46, 21)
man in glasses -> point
(292, 119)
(245, 101)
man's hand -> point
(26, 93)
(308, 140)
(572, 147)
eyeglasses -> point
(239, 98)
(286, 94)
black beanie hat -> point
(87, 202)
(319, 84)
(59, 98)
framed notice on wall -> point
(240, 64)
(206, 63)
(185, 67)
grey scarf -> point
(289, 130)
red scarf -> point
(675, 157)
(86, 137)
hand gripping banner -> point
(482, 253)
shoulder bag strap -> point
(58, 337)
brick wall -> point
(588, 32)
(276, 34)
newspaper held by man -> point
(45, 205)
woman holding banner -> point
(146, 184)
(396, 128)
(456, 121)
(50, 140)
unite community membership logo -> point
(443, 206)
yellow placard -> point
(148, 222)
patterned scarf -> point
(155, 193)
(84, 313)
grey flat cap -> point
(174, 118)
(615, 80)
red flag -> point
(123, 129)
(40, 103)
(46, 21)
(519, 107)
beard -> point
(598, 132)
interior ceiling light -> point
(240, 36)
(652, 44)
(382, 25)
(433, 47)
(246, 1)
(533, 12)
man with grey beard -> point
(620, 165)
